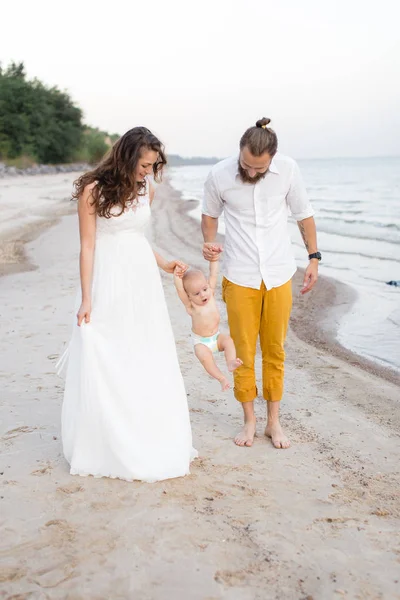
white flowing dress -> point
(125, 411)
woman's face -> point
(145, 164)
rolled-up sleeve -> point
(212, 201)
(297, 197)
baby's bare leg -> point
(226, 345)
(206, 358)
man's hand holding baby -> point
(212, 251)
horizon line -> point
(379, 156)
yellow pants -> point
(253, 313)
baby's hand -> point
(180, 270)
(211, 251)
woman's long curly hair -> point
(115, 176)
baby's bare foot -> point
(234, 364)
(225, 385)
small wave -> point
(394, 226)
(362, 254)
(360, 236)
(331, 226)
(341, 212)
(391, 226)
(337, 201)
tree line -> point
(42, 124)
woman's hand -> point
(175, 266)
(179, 272)
(84, 312)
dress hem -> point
(82, 473)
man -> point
(256, 191)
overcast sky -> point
(199, 73)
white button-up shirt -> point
(257, 242)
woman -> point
(125, 410)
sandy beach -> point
(318, 521)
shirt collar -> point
(273, 168)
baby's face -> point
(198, 290)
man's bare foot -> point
(246, 436)
(278, 438)
(234, 364)
(225, 385)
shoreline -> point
(319, 325)
(8, 171)
(13, 248)
(30, 214)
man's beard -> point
(245, 177)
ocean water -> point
(357, 203)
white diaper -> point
(211, 342)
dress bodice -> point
(133, 220)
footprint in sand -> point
(73, 488)
(55, 574)
(230, 578)
(45, 469)
(61, 531)
(11, 574)
(17, 431)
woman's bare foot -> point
(234, 364)
(225, 385)
(246, 436)
(278, 438)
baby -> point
(197, 294)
